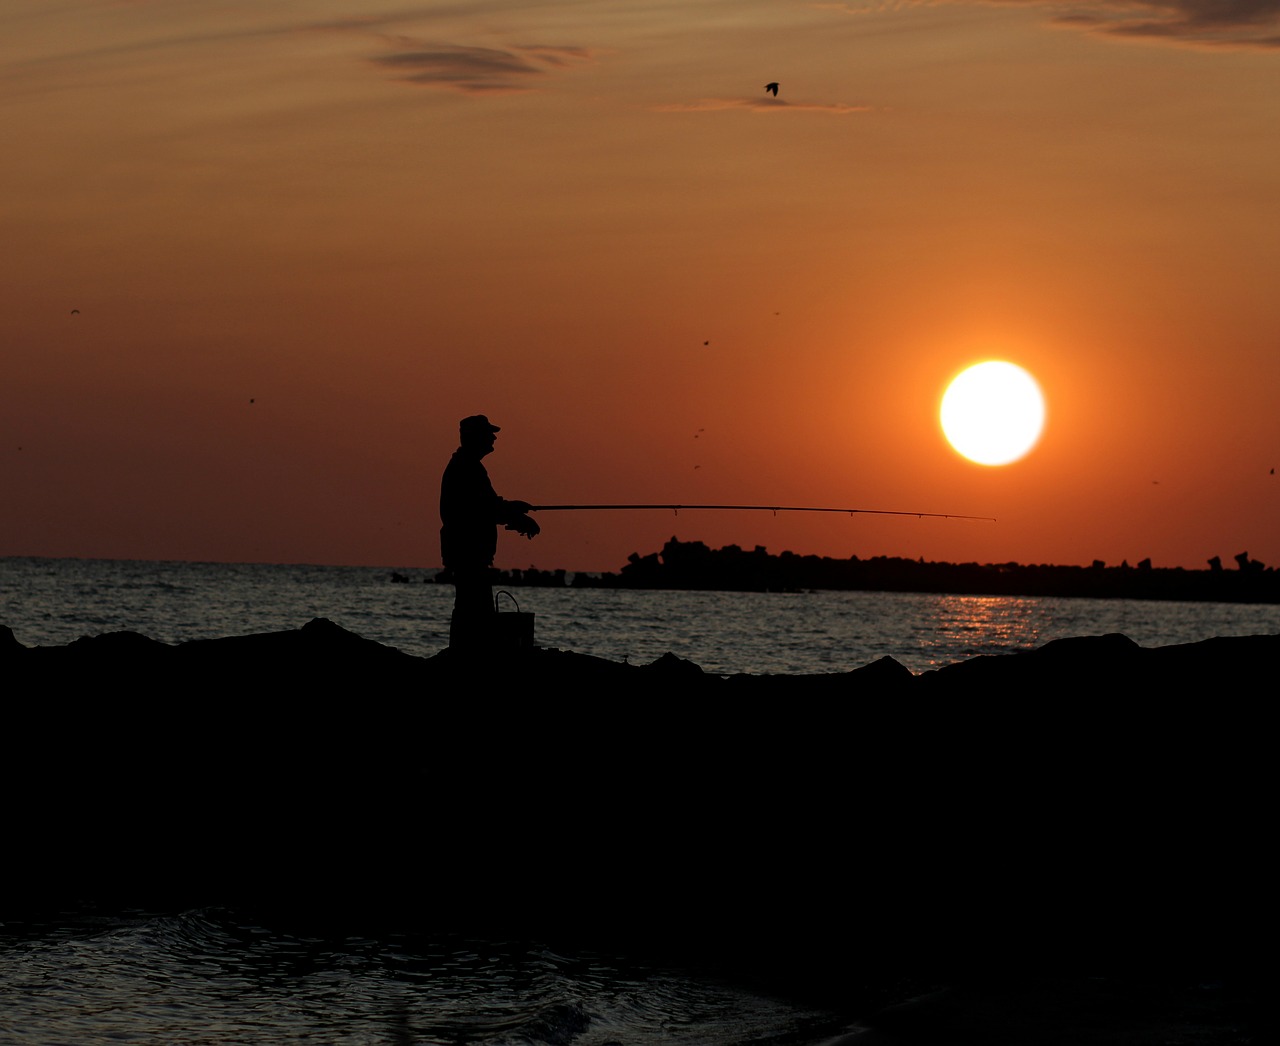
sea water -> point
(214, 977)
(50, 602)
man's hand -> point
(523, 524)
(518, 506)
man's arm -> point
(515, 515)
(509, 509)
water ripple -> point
(52, 602)
(211, 977)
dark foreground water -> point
(214, 976)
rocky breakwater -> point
(1089, 801)
(322, 656)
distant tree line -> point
(689, 565)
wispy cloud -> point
(1204, 23)
(711, 105)
(1237, 24)
(865, 7)
(479, 70)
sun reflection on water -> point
(973, 625)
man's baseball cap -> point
(477, 423)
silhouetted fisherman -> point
(470, 512)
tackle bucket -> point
(514, 629)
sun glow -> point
(992, 413)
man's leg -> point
(471, 627)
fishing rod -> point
(775, 509)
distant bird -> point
(75, 312)
(772, 87)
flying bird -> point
(772, 87)
(75, 312)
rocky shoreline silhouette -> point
(1089, 810)
(327, 657)
(693, 565)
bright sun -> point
(993, 412)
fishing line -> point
(775, 509)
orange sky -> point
(306, 237)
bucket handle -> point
(504, 592)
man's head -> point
(477, 433)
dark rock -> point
(1090, 800)
(670, 668)
(9, 645)
(1075, 664)
(884, 672)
